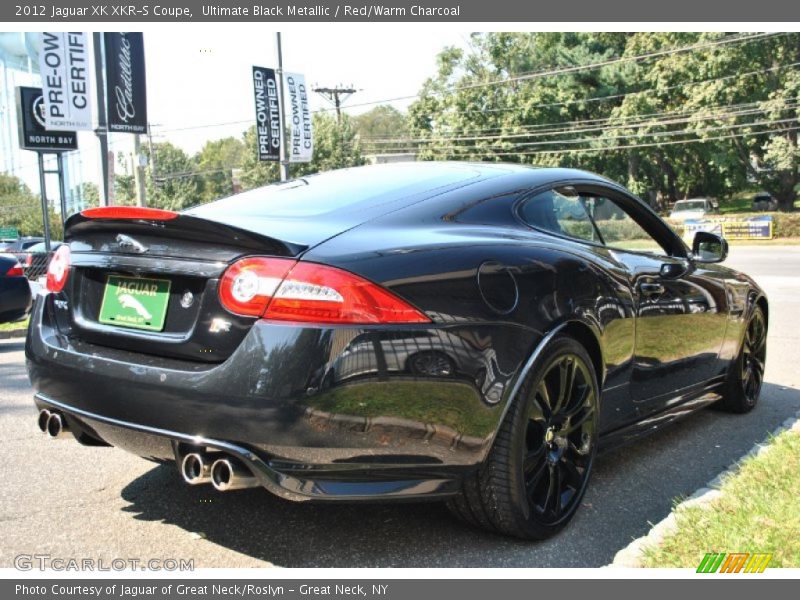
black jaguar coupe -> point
(466, 332)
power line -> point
(488, 152)
(668, 118)
(563, 70)
(634, 146)
(538, 106)
(657, 134)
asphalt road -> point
(62, 499)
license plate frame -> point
(135, 302)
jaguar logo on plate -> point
(137, 302)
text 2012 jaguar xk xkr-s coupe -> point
(469, 332)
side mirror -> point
(709, 247)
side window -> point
(617, 227)
(561, 214)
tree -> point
(21, 209)
(176, 183)
(383, 129)
(214, 164)
(671, 114)
(335, 146)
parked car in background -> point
(763, 201)
(694, 208)
(34, 260)
(19, 245)
(15, 293)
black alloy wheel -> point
(559, 439)
(754, 356)
(746, 373)
(537, 471)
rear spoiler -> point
(167, 224)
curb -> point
(13, 333)
(631, 555)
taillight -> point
(129, 212)
(29, 260)
(15, 271)
(286, 290)
(247, 286)
(58, 269)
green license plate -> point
(137, 302)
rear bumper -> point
(291, 403)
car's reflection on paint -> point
(420, 354)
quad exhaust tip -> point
(44, 415)
(231, 474)
(53, 424)
(196, 468)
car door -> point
(680, 314)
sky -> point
(200, 80)
(200, 76)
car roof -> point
(307, 210)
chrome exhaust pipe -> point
(196, 468)
(231, 474)
(44, 416)
(56, 426)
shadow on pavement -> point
(14, 346)
(632, 487)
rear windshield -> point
(343, 190)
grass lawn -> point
(14, 325)
(758, 512)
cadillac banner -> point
(268, 113)
(64, 65)
(301, 145)
(126, 91)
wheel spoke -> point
(532, 460)
(573, 476)
(557, 472)
(580, 422)
(537, 412)
(544, 394)
(748, 372)
(760, 342)
(566, 375)
(575, 450)
(583, 396)
(533, 480)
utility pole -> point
(284, 161)
(336, 96)
(102, 124)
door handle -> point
(651, 288)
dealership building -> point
(19, 66)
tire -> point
(746, 372)
(547, 442)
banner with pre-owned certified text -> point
(268, 113)
(64, 66)
(301, 144)
(126, 89)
